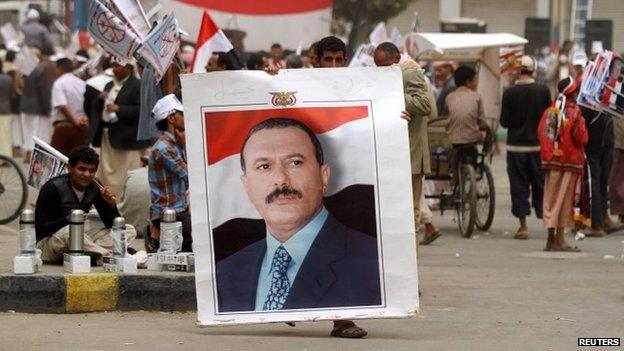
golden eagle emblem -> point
(284, 98)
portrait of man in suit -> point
(307, 259)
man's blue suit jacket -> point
(340, 269)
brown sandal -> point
(428, 239)
(566, 248)
(349, 331)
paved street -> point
(490, 292)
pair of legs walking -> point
(526, 180)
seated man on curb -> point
(75, 190)
(168, 172)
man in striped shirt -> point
(168, 172)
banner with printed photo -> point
(161, 45)
(45, 163)
(293, 183)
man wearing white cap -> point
(168, 172)
(36, 35)
(521, 111)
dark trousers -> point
(526, 178)
(599, 167)
(187, 239)
(462, 154)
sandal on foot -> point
(428, 239)
(350, 332)
(566, 248)
(521, 236)
(593, 234)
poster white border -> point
(235, 91)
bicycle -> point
(13, 190)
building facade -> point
(509, 16)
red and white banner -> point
(210, 39)
(265, 21)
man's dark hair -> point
(162, 125)
(10, 56)
(283, 122)
(388, 48)
(294, 61)
(312, 48)
(276, 46)
(254, 61)
(47, 50)
(463, 75)
(83, 154)
(65, 64)
(225, 60)
(331, 44)
(83, 53)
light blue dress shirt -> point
(297, 246)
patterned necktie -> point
(280, 285)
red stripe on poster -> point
(262, 7)
(226, 131)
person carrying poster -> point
(292, 236)
(331, 52)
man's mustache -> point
(286, 191)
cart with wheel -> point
(472, 195)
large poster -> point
(300, 189)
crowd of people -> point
(557, 152)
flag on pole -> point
(210, 39)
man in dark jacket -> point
(75, 190)
(116, 131)
(599, 151)
(521, 110)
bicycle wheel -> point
(467, 201)
(13, 190)
(486, 198)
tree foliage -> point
(362, 16)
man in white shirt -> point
(68, 117)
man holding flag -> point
(211, 40)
